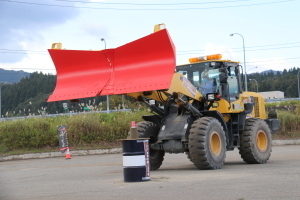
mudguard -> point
(142, 65)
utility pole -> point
(107, 97)
(298, 84)
(246, 86)
(0, 100)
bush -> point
(33, 133)
(289, 125)
(90, 129)
(83, 129)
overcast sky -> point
(270, 29)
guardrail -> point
(60, 114)
(279, 100)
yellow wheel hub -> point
(262, 141)
(215, 143)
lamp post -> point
(246, 87)
(251, 68)
(0, 100)
(298, 83)
(107, 97)
(256, 84)
(103, 40)
(123, 105)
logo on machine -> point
(147, 160)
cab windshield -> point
(205, 76)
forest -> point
(29, 96)
(285, 81)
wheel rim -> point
(261, 141)
(215, 143)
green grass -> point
(284, 103)
(289, 119)
(91, 130)
(96, 130)
(290, 125)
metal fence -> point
(60, 114)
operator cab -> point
(214, 76)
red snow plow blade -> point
(142, 65)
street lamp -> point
(107, 97)
(103, 40)
(0, 99)
(251, 68)
(256, 84)
(298, 84)
(246, 87)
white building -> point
(272, 95)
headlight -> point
(210, 97)
(152, 102)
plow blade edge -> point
(142, 65)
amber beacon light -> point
(208, 57)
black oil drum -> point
(136, 165)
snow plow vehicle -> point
(205, 111)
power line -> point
(249, 48)
(275, 59)
(149, 4)
(246, 62)
(274, 64)
(26, 69)
(184, 52)
(20, 50)
(139, 9)
(272, 45)
(16, 72)
(201, 51)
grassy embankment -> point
(289, 116)
(101, 130)
(85, 131)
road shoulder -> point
(103, 151)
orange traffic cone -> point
(68, 155)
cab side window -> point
(232, 83)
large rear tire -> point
(148, 129)
(207, 143)
(256, 142)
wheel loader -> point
(199, 108)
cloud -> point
(227, 53)
(32, 63)
(96, 0)
(274, 63)
(22, 24)
(97, 30)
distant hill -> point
(270, 70)
(11, 76)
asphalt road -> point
(101, 177)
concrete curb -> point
(104, 151)
(285, 142)
(59, 154)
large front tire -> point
(207, 143)
(148, 129)
(256, 142)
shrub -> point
(83, 129)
